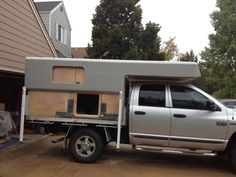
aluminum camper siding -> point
(104, 75)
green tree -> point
(220, 56)
(149, 43)
(188, 56)
(170, 49)
(118, 32)
(202, 82)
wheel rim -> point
(85, 146)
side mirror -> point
(231, 106)
(210, 105)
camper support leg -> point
(119, 121)
(22, 119)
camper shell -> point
(58, 90)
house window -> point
(61, 34)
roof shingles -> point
(47, 6)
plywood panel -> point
(112, 103)
(63, 75)
(43, 103)
(79, 75)
(68, 75)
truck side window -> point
(152, 95)
(187, 98)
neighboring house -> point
(22, 34)
(79, 52)
(57, 23)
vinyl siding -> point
(45, 17)
(20, 35)
(58, 17)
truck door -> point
(193, 125)
(149, 115)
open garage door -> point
(10, 94)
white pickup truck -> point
(142, 103)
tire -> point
(86, 146)
(232, 155)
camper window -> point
(87, 104)
(68, 75)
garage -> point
(10, 94)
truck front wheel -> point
(86, 146)
(232, 155)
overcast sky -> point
(187, 20)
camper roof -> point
(105, 75)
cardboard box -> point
(2, 107)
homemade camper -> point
(67, 90)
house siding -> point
(20, 35)
(58, 17)
(45, 17)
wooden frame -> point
(87, 115)
(50, 104)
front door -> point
(149, 116)
(193, 125)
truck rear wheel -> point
(86, 146)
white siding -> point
(58, 17)
(45, 17)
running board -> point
(174, 150)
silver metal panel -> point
(47, 120)
(153, 128)
(105, 75)
(199, 129)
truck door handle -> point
(139, 112)
(179, 115)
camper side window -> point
(87, 104)
(68, 75)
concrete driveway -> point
(44, 159)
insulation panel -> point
(44, 103)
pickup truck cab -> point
(179, 116)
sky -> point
(186, 20)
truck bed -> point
(75, 121)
